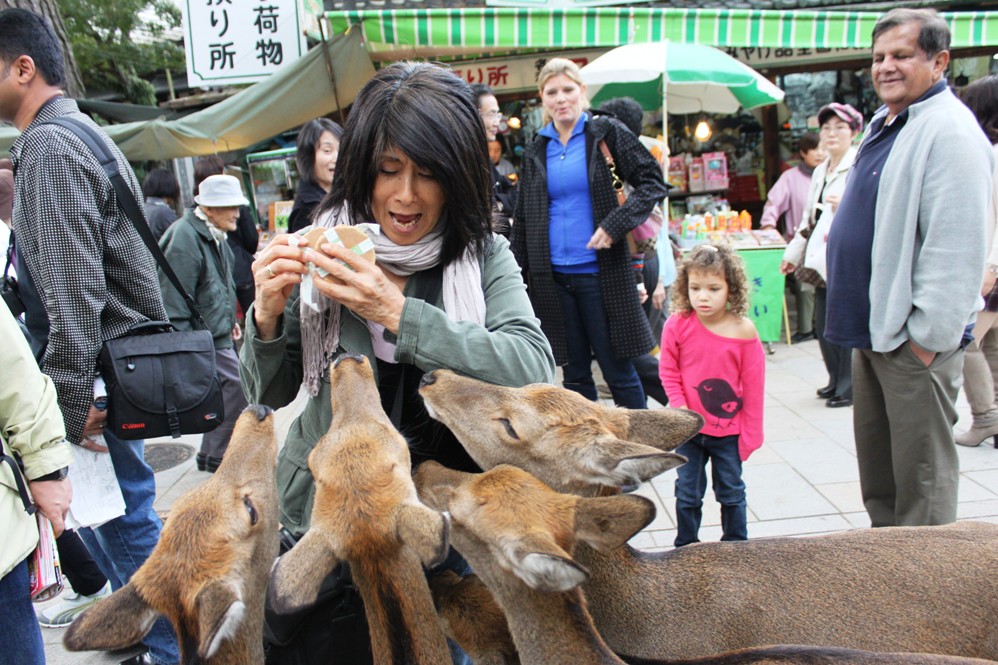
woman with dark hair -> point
(981, 359)
(243, 241)
(318, 146)
(162, 192)
(569, 236)
(445, 291)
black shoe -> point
(138, 659)
(836, 401)
(826, 392)
(797, 338)
(206, 463)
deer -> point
(470, 617)
(208, 573)
(901, 589)
(366, 513)
(518, 535)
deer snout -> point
(428, 379)
(356, 357)
(261, 411)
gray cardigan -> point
(928, 239)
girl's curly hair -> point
(717, 259)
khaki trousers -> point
(903, 421)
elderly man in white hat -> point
(196, 249)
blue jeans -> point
(19, 633)
(587, 332)
(729, 488)
(123, 544)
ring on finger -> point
(270, 270)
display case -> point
(273, 178)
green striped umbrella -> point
(678, 78)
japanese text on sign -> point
(239, 41)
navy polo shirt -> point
(570, 208)
(850, 240)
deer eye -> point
(509, 428)
(251, 510)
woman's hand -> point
(832, 201)
(988, 282)
(275, 272)
(786, 267)
(658, 296)
(365, 290)
(600, 240)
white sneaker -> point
(72, 605)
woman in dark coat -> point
(570, 237)
(318, 147)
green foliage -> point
(115, 44)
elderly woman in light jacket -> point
(840, 125)
(30, 425)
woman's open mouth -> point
(405, 222)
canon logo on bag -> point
(133, 426)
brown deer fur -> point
(470, 616)
(920, 589)
(518, 534)
(208, 573)
(366, 512)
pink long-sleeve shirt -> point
(787, 197)
(721, 378)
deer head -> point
(561, 437)
(208, 572)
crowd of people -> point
(499, 281)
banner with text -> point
(239, 41)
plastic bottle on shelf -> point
(708, 222)
(746, 221)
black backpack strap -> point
(95, 142)
(22, 488)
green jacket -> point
(31, 425)
(509, 350)
(205, 269)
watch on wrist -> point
(992, 268)
(60, 474)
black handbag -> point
(159, 380)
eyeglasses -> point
(491, 115)
(828, 129)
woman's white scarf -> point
(464, 299)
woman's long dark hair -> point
(981, 97)
(308, 141)
(428, 113)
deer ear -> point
(550, 572)
(435, 483)
(220, 612)
(297, 576)
(611, 461)
(663, 429)
(425, 530)
(117, 622)
(608, 522)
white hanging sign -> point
(239, 41)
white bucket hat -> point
(220, 191)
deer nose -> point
(348, 356)
(428, 379)
(261, 411)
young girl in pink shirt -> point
(712, 362)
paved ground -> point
(803, 480)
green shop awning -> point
(434, 33)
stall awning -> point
(432, 33)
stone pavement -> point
(803, 481)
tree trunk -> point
(50, 10)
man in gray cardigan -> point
(905, 257)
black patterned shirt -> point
(91, 268)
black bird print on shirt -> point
(719, 399)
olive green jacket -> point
(509, 350)
(31, 425)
